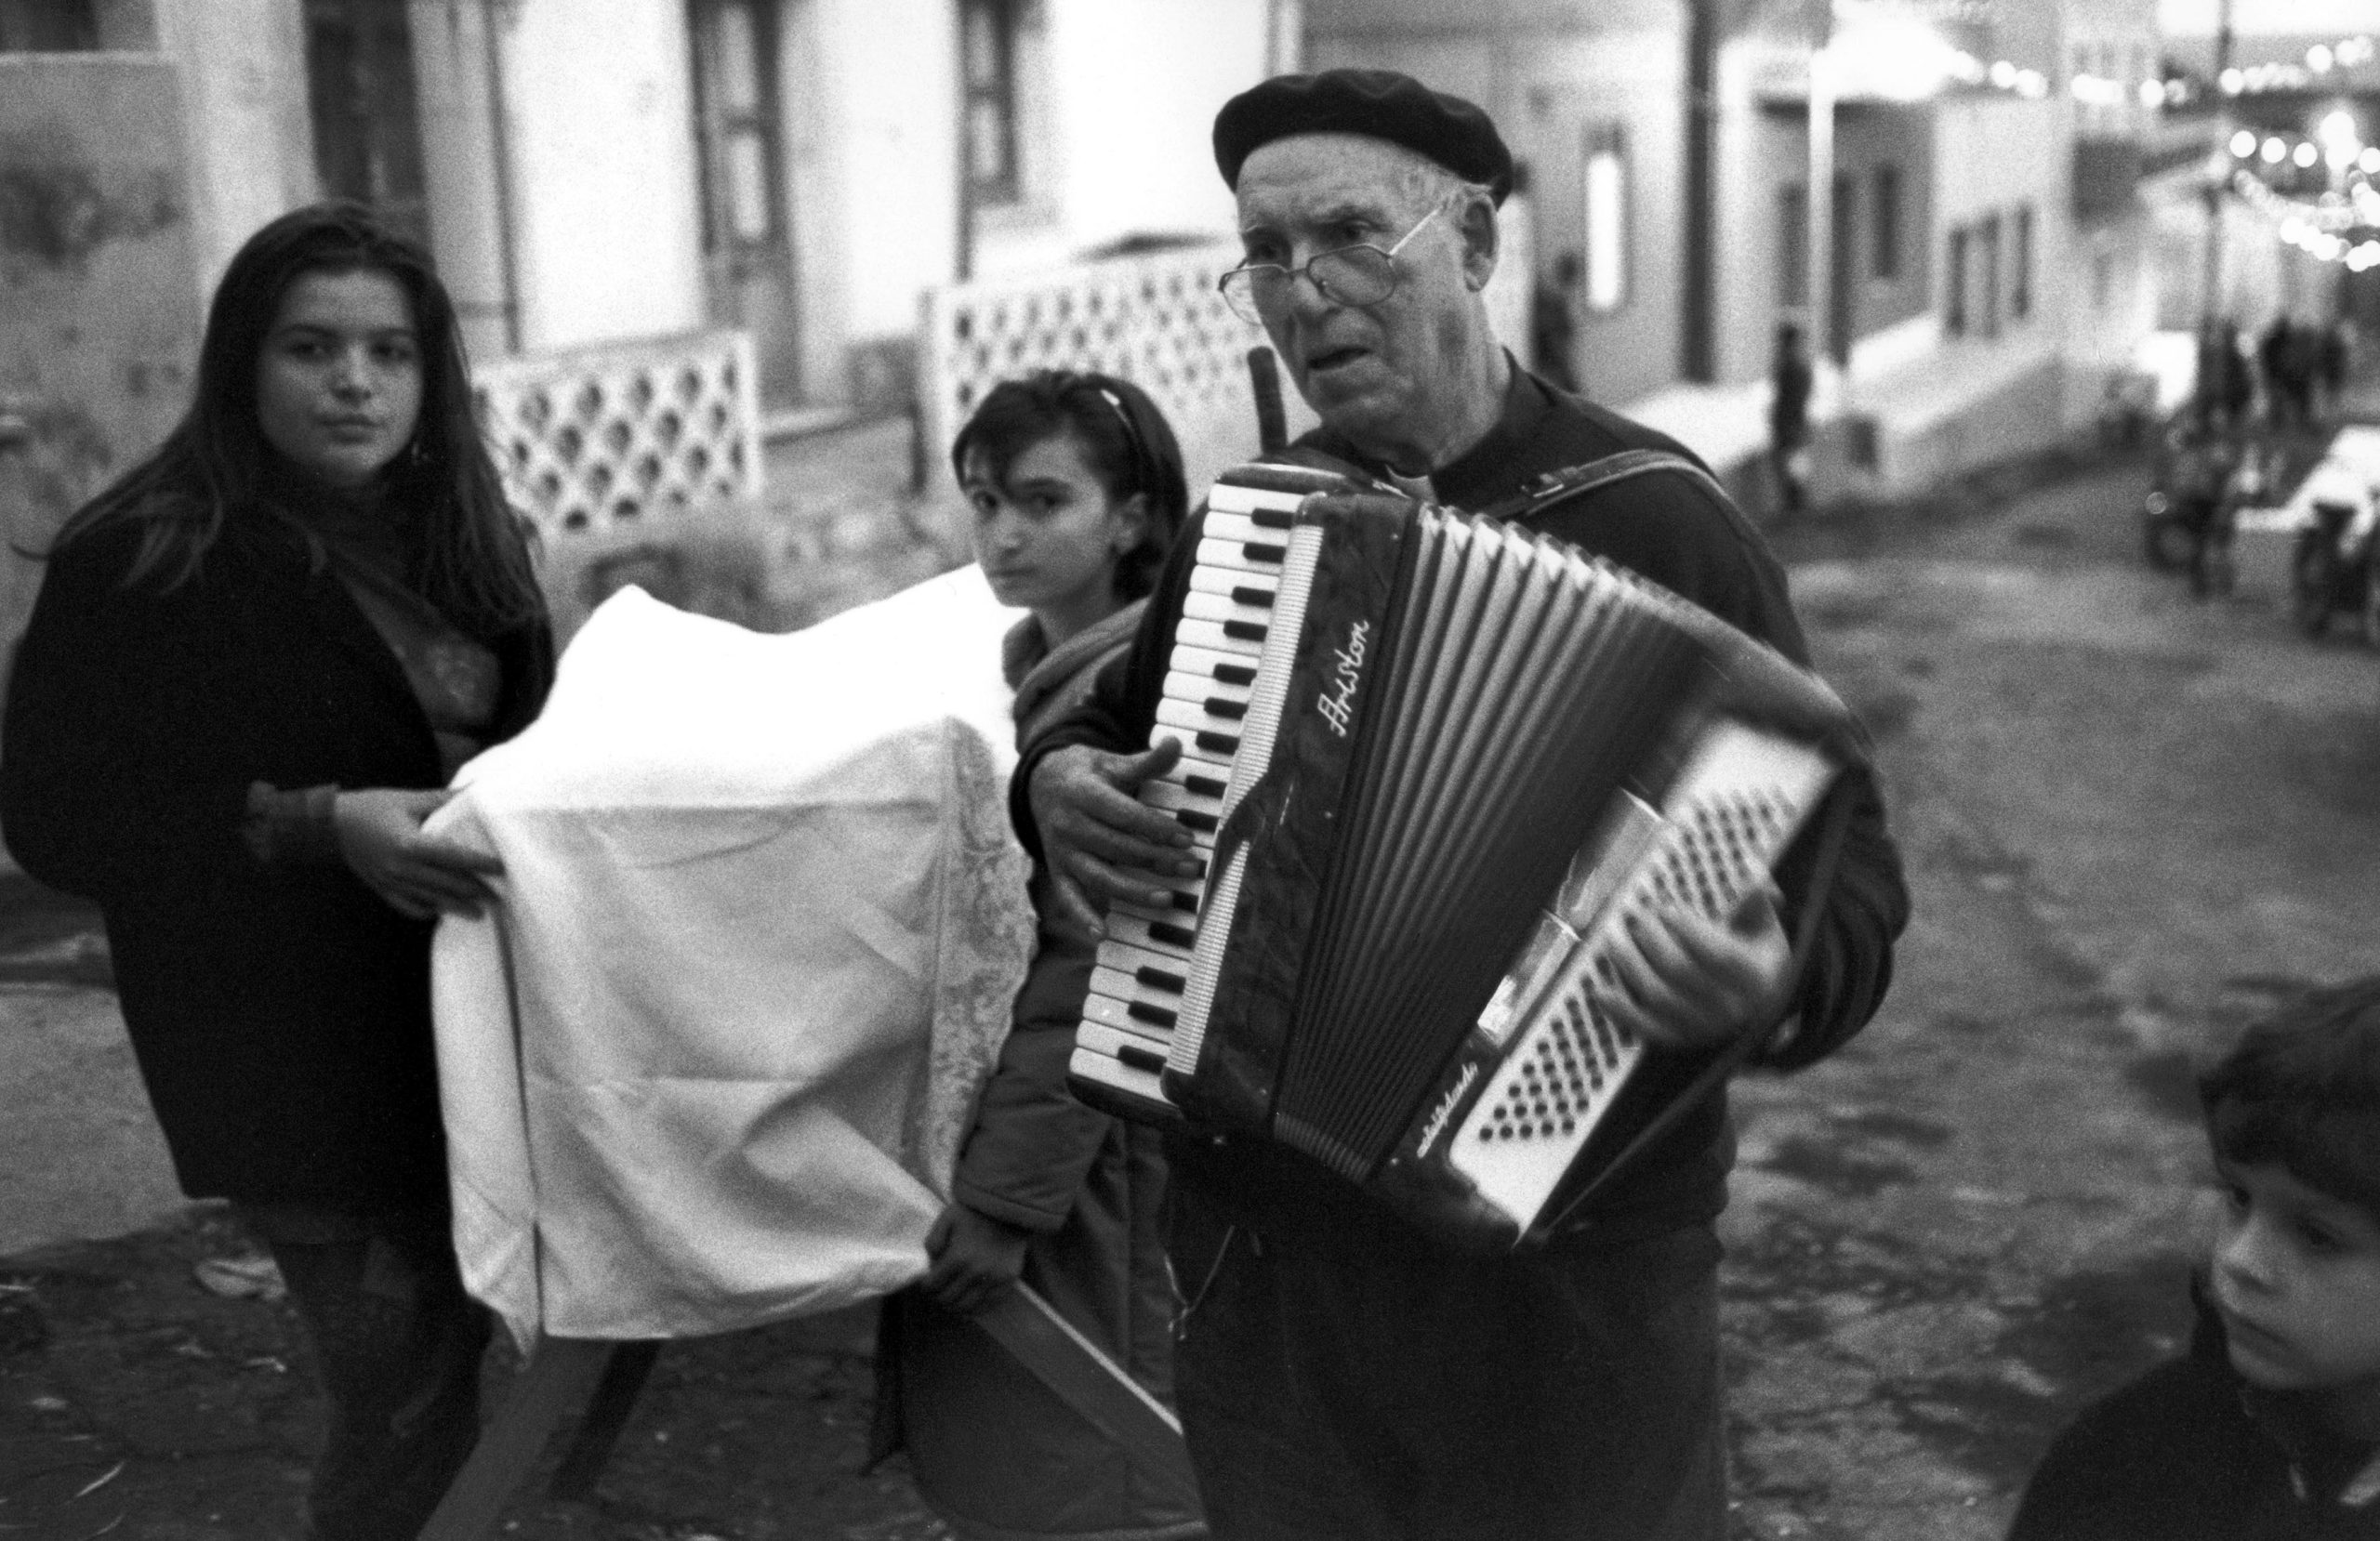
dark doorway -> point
(747, 253)
(367, 126)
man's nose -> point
(1306, 295)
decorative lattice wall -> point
(594, 438)
(1156, 321)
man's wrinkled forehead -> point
(1328, 178)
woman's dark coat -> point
(280, 1014)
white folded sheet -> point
(709, 1063)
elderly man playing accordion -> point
(1340, 1373)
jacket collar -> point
(1035, 668)
(2325, 1467)
(1481, 474)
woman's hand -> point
(421, 876)
(975, 1257)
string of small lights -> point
(2348, 53)
(2325, 230)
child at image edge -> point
(2269, 1427)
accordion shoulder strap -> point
(1594, 476)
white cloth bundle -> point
(709, 1063)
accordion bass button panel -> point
(1738, 799)
(1135, 1001)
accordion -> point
(1434, 765)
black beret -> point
(1380, 103)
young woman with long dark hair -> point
(255, 661)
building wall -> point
(1115, 98)
(243, 71)
(890, 73)
(1773, 142)
(599, 120)
(1552, 77)
(1138, 84)
(1995, 155)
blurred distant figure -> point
(2199, 478)
(2224, 387)
(2272, 363)
(2290, 356)
(1553, 329)
(1789, 420)
(2332, 361)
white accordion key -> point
(1249, 621)
(1183, 685)
(1263, 505)
(1199, 815)
(1129, 1013)
(1215, 732)
(1136, 1049)
(1251, 591)
(1173, 936)
(1226, 668)
(1241, 638)
(1109, 1069)
(1253, 557)
(1149, 970)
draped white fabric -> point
(709, 1063)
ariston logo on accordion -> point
(1337, 702)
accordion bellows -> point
(1435, 761)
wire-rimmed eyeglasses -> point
(1361, 274)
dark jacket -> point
(280, 1014)
(2190, 1452)
(994, 1451)
(1700, 545)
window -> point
(2020, 285)
(1954, 285)
(988, 37)
(736, 120)
(1606, 219)
(1987, 299)
(1792, 246)
(367, 134)
(48, 26)
(1884, 257)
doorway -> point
(747, 249)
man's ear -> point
(1476, 222)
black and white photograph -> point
(1163, 769)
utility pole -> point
(2212, 295)
(1818, 291)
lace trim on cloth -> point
(985, 942)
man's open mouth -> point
(1333, 358)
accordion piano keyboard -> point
(1741, 797)
(1136, 1010)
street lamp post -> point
(2211, 297)
(1819, 286)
